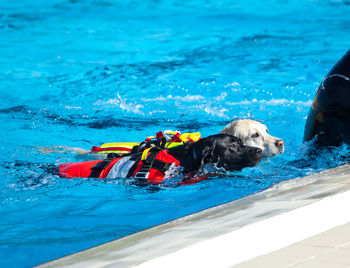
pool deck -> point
(299, 223)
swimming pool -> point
(82, 73)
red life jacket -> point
(152, 168)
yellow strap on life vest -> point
(145, 153)
(173, 144)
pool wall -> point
(234, 232)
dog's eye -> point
(232, 146)
(255, 135)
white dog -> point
(253, 133)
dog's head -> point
(254, 133)
(226, 151)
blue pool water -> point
(82, 73)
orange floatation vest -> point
(149, 165)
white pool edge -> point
(238, 246)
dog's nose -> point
(255, 150)
(279, 143)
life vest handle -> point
(147, 162)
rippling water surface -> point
(82, 73)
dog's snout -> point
(255, 150)
(279, 143)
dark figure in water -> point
(329, 116)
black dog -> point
(222, 150)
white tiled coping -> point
(234, 232)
